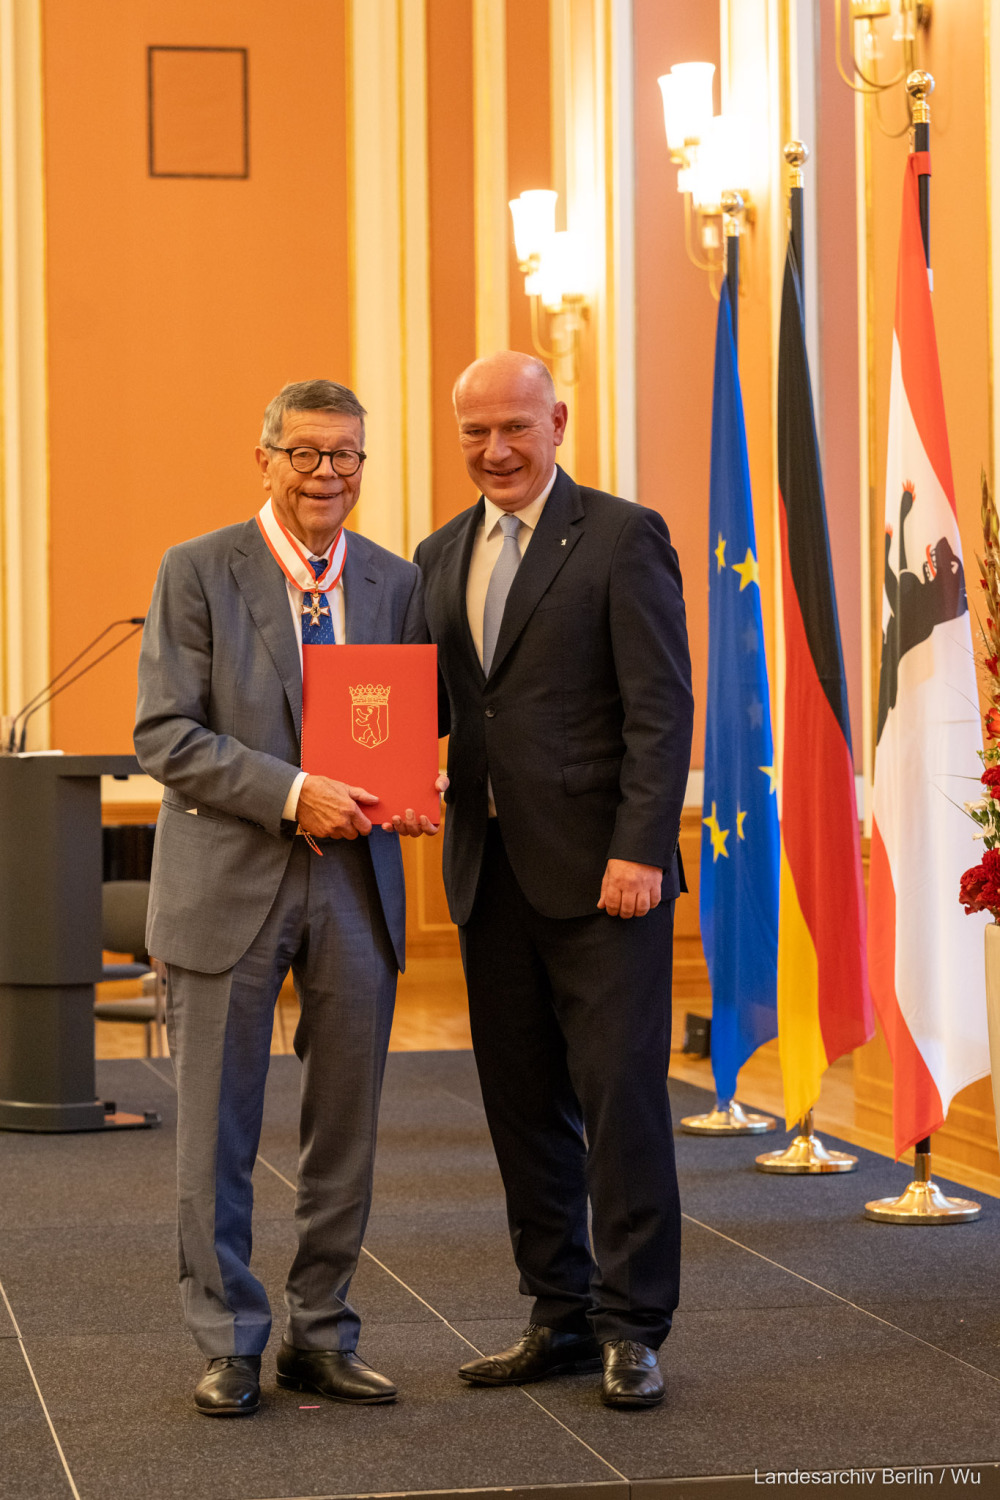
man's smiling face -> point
(509, 427)
(312, 506)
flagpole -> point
(807, 1153)
(732, 209)
(727, 1117)
(919, 85)
(796, 154)
(923, 1201)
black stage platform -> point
(808, 1338)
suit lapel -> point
(262, 585)
(557, 533)
(363, 584)
(454, 575)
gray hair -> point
(309, 395)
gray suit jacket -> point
(219, 721)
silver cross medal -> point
(314, 609)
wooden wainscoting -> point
(430, 932)
(114, 814)
(431, 1013)
(692, 990)
(856, 1098)
(964, 1148)
(432, 1002)
(431, 1008)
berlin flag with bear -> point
(925, 962)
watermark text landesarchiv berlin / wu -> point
(955, 1475)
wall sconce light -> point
(556, 280)
(862, 75)
(712, 155)
(534, 215)
(687, 108)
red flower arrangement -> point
(979, 888)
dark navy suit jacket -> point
(584, 723)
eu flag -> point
(740, 843)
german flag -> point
(824, 1006)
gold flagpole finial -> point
(732, 212)
(920, 86)
(796, 153)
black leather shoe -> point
(230, 1386)
(337, 1374)
(631, 1375)
(538, 1353)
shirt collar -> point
(528, 516)
(306, 552)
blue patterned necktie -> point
(317, 623)
(501, 579)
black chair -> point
(128, 850)
(123, 930)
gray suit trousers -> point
(327, 926)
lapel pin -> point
(563, 542)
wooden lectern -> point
(50, 941)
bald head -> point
(509, 426)
(507, 368)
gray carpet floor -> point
(808, 1338)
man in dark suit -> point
(559, 621)
(236, 899)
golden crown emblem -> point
(370, 695)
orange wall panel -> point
(176, 307)
(451, 177)
(675, 325)
(529, 134)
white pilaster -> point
(25, 468)
(390, 335)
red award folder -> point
(369, 718)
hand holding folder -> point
(330, 809)
(412, 826)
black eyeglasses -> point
(306, 460)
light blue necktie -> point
(501, 579)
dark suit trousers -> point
(571, 1030)
(326, 924)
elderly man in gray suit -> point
(237, 899)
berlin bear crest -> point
(370, 714)
(917, 602)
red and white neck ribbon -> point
(291, 559)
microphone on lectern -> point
(15, 742)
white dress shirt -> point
(486, 550)
(335, 601)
